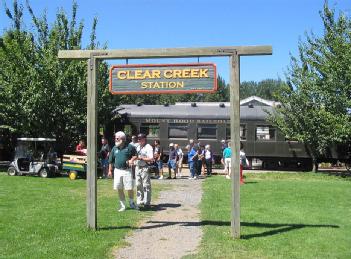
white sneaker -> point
(122, 209)
(161, 177)
(195, 177)
(227, 177)
(190, 178)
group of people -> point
(174, 163)
(130, 164)
(199, 157)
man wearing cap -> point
(134, 141)
(121, 158)
(172, 161)
(145, 157)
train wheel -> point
(72, 175)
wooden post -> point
(233, 52)
(235, 142)
(92, 143)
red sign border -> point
(170, 91)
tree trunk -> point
(315, 165)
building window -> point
(242, 132)
(128, 129)
(178, 130)
(152, 130)
(265, 133)
(207, 131)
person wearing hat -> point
(145, 158)
(224, 145)
(134, 141)
(192, 158)
(172, 161)
(121, 158)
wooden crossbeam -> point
(166, 52)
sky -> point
(142, 24)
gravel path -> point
(174, 229)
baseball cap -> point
(141, 135)
(171, 144)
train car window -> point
(289, 139)
(177, 130)
(242, 132)
(152, 130)
(265, 133)
(207, 131)
(128, 129)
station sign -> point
(163, 78)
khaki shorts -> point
(123, 179)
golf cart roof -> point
(36, 139)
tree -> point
(265, 89)
(316, 103)
(43, 96)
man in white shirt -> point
(145, 157)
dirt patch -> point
(174, 229)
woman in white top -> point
(180, 160)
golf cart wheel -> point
(72, 175)
(348, 166)
(44, 173)
(11, 171)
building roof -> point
(249, 110)
(255, 100)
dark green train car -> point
(209, 123)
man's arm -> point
(131, 160)
(110, 164)
(110, 170)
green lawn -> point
(46, 218)
(282, 216)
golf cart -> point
(35, 156)
(76, 166)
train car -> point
(209, 123)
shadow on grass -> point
(335, 172)
(161, 206)
(115, 227)
(278, 228)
